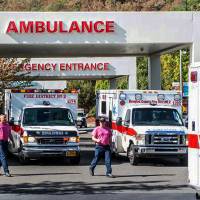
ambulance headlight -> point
(140, 139)
(31, 139)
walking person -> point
(5, 132)
(102, 136)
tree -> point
(188, 5)
(86, 97)
(102, 85)
(170, 64)
(122, 82)
(142, 73)
(11, 75)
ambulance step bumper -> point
(31, 152)
(161, 150)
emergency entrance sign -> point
(76, 68)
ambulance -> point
(144, 123)
(194, 127)
(43, 124)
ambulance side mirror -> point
(18, 122)
(127, 123)
(11, 121)
(119, 121)
(186, 124)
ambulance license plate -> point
(71, 153)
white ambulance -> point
(144, 123)
(194, 127)
(43, 124)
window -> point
(47, 117)
(103, 107)
(156, 117)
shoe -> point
(91, 171)
(110, 176)
(7, 174)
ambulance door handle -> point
(193, 125)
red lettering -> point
(34, 67)
(39, 27)
(106, 68)
(41, 67)
(50, 29)
(47, 66)
(80, 66)
(87, 67)
(54, 66)
(110, 26)
(100, 66)
(27, 67)
(93, 66)
(98, 26)
(74, 27)
(69, 67)
(71, 101)
(12, 27)
(61, 26)
(86, 27)
(26, 27)
(62, 66)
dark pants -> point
(99, 152)
(3, 154)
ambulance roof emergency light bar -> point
(43, 91)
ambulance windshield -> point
(156, 117)
(47, 117)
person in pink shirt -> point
(102, 136)
(5, 132)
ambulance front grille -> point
(50, 141)
(165, 139)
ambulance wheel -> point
(22, 159)
(75, 160)
(198, 195)
(133, 159)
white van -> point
(43, 124)
(144, 123)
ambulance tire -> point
(198, 195)
(133, 159)
(22, 159)
(75, 160)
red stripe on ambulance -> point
(123, 129)
(193, 141)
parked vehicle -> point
(43, 124)
(81, 118)
(194, 128)
(144, 123)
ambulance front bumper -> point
(38, 152)
(161, 150)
